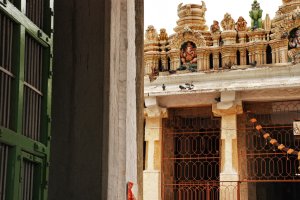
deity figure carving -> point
(151, 33)
(227, 23)
(215, 28)
(188, 56)
(241, 24)
(256, 14)
(294, 45)
(163, 34)
(188, 10)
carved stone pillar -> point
(200, 59)
(242, 37)
(228, 109)
(283, 54)
(216, 39)
(243, 60)
(258, 35)
(175, 59)
(153, 130)
(164, 60)
(277, 52)
(216, 60)
(228, 55)
(229, 37)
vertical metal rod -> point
(2, 171)
(238, 190)
(23, 180)
(1, 97)
(30, 81)
(1, 40)
(33, 94)
(40, 88)
(4, 65)
(36, 96)
(42, 13)
(30, 181)
(26, 71)
(38, 13)
(10, 69)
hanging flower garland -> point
(274, 142)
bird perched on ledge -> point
(182, 87)
(253, 64)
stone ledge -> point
(232, 80)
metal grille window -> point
(191, 154)
(265, 171)
(27, 180)
(6, 68)
(264, 162)
(3, 169)
(33, 88)
(35, 11)
(25, 97)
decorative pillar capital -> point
(228, 105)
(153, 110)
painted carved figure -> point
(227, 23)
(256, 14)
(163, 34)
(151, 33)
(188, 56)
(215, 28)
(241, 24)
(294, 45)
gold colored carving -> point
(227, 23)
(215, 28)
(163, 34)
(241, 24)
(187, 35)
(151, 33)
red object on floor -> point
(129, 191)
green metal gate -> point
(26, 28)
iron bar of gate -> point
(6, 75)
(28, 178)
(35, 11)
(192, 158)
(268, 159)
(216, 190)
(33, 93)
(195, 146)
(207, 192)
(192, 132)
(3, 169)
(270, 181)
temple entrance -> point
(190, 154)
(269, 173)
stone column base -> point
(151, 185)
(229, 187)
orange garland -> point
(274, 141)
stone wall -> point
(96, 88)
